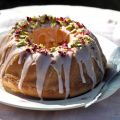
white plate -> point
(12, 100)
(93, 20)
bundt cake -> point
(50, 58)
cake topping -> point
(50, 25)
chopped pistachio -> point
(73, 45)
(23, 36)
(80, 30)
(21, 23)
(62, 23)
(70, 27)
(68, 20)
(87, 38)
(53, 49)
(21, 43)
(34, 25)
(52, 18)
(76, 26)
(41, 46)
(76, 45)
(42, 18)
(24, 32)
(34, 18)
(73, 31)
(53, 24)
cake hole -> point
(49, 37)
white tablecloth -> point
(104, 22)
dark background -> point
(108, 4)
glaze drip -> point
(4, 48)
(67, 68)
(13, 53)
(66, 63)
(42, 65)
(29, 60)
(97, 55)
(85, 56)
(58, 68)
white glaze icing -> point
(10, 58)
(83, 56)
(67, 67)
(4, 47)
(97, 55)
(42, 65)
(66, 63)
(58, 67)
(29, 60)
(21, 57)
(81, 71)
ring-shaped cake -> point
(50, 58)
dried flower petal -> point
(29, 19)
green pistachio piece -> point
(73, 31)
(34, 18)
(42, 18)
(25, 33)
(53, 49)
(70, 27)
(21, 43)
(52, 18)
(33, 25)
(78, 45)
(62, 23)
(76, 26)
(68, 20)
(21, 23)
(23, 36)
(87, 38)
(41, 45)
(80, 30)
(53, 24)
